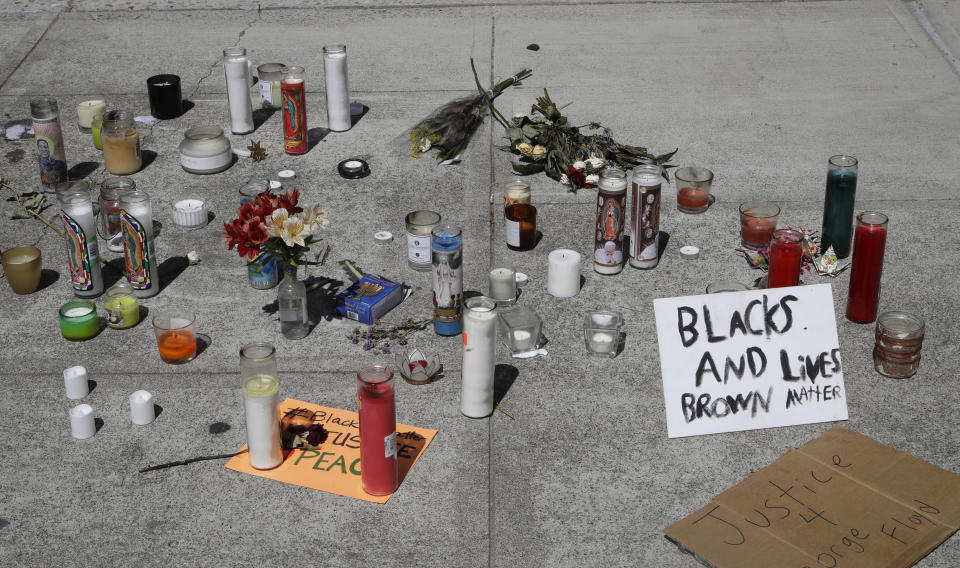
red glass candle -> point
(294, 110)
(869, 242)
(378, 430)
(786, 253)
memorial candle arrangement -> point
(48, 137)
(292, 93)
(378, 430)
(121, 143)
(236, 69)
(447, 255)
(140, 258)
(838, 204)
(869, 243)
(479, 355)
(83, 253)
(645, 216)
(261, 386)
(338, 92)
(786, 254)
(608, 230)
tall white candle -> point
(338, 93)
(82, 247)
(82, 423)
(236, 68)
(140, 257)
(563, 273)
(479, 350)
(75, 381)
(261, 408)
(503, 284)
(141, 407)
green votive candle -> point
(95, 128)
(78, 320)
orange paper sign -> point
(335, 466)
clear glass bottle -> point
(260, 382)
(49, 140)
(121, 143)
(292, 299)
(205, 150)
(110, 191)
(838, 205)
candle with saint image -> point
(786, 255)
(140, 260)
(869, 243)
(292, 93)
(236, 68)
(378, 430)
(479, 351)
(83, 252)
(563, 273)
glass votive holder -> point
(899, 339)
(693, 189)
(726, 286)
(503, 286)
(758, 220)
(420, 225)
(23, 267)
(78, 320)
(123, 310)
(189, 213)
(520, 329)
(176, 338)
(253, 187)
(601, 333)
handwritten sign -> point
(335, 466)
(747, 360)
(842, 500)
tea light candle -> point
(190, 213)
(87, 110)
(141, 407)
(75, 382)
(602, 341)
(82, 423)
(78, 320)
(563, 273)
(523, 340)
(503, 284)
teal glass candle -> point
(838, 205)
(78, 320)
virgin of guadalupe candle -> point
(869, 243)
(83, 252)
(838, 205)
(261, 386)
(378, 430)
(645, 216)
(479, 351)
(447, 254)
(49, 139)
(338, 93)
(140, 258)
(236, 69)
(563, 273)
(786, 255)
(294, 111)
(608, 231)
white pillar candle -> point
(141, 407)
(75, 380)
(236, 68)
(136, 223)
(503, 284)
(81, 231)
(338, 93)
(563, 273)
(261, 408)
(190, 213)
(82, 423)
(479, 350)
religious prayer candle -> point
(87, 110)
(261, 387)
(292, 97)
(378, 430)
(838, 205)
(121, 143)
(82, 423)
(503, 285)
(608, 231)
(141, 408)
(447, 255)
(140, 258)
(83, 253)
(563, 273)
(869, 243)
(75, 382)
(786, 254)
(122, 308)
(236, 68)
(479, 354)
(190, 213)
(78, 320)
(338, 93)
(48, 137)
(645, 216)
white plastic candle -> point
(190, 213)
(75, 378)
(338, 93)
(261, 408)
(82, 423)
(479, 350)
(503, 284)
(141, 407)
(236, 68)
(81, 227)
(563, 273)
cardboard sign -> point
(747, 360)
(842, 500)
(335, 466)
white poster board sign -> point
(748, 360)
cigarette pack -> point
(369, 299)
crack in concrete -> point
(235, 44)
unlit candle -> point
(141, 407)
(563, 273)
(75, 379)
(82, 423)
(338, 92)
(190, 213)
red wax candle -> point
(785, 257)
(691, 198)
(378, 430)
(869, 242)
(294, 112)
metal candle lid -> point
(353, 168)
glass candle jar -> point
(608, 231)
(479, 356)
(516, 191)
(121, 305)
(419, 225)
(121, 143)
(189, 213)
(139, 247)
(268, 83)
(337, 88)
(786, 253)
(757, 223)
(899, 339)
(721, 286)
(83, 251)
(87, 110)
(23, 267)
(48, 137)
(176, 336)
(838, 205)
(521, 226)
(601, 333)
(503, 285)
(693, 189)
(78, 320)
(205, 150)
(646, 187)
(110, 191)
(446, 246)
(253, 187)
(96, 129)
(236, 71)
(166, 100)
(293, 97)
(261, 385)
(263, 272)
(869, 244)
(520, 329)
(378, 430)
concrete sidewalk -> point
(583, 474)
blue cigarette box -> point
(369, 299)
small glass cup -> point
(253, 187)
(503, 286)
(22, 267)
(79, 320)
(899, 340)
(601, 333)
(693, 189)
(176, 338)
(758, 220)
(520, 329)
